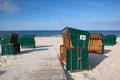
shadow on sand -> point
(44, 46)
(107, 51)
(37, 48)
(32, 50)
(2, 72)
(96, 59)
(69, 77)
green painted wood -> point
(7, 49)
(0, 39)
(28, 46)
(72, 62)
(110, 40)
(6, 39)
(79, 38)
(27, 41)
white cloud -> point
(8, 6)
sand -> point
(42, 63)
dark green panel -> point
(20, 39)
(84, 54)
(74, 59)
(0, 39)
(27, 46)
(27, 41)
(110, 40)
(5, 39)
(72, 62)
(79, 38)
(76, 42)
(68, 60)
(7, 49)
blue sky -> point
(56, 14)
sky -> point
(57, 14)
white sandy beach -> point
(42, 63)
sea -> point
(46, 33)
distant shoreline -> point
(47, 33)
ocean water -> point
(105, 32)
(36, 32)
(45, 33)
